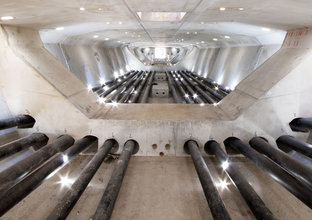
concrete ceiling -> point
(116, 21)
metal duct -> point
(214, 200)
(280, 175)
(20, 121)
(287, 143)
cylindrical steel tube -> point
(20, 121)
(36, 140)
(66, 204)
(287, 143)
(297, 169)
(20, 190)
(186, 97)
(175, 95)
(21, 168)
(127, 94)
(207, 88)
(107, 202)
(199, 90)
(214, 200)
(252, 199)
(189, 88)
(280, 175)
(301, 124)
(134, 98)
(147, 90)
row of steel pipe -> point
(213, 92)
(147, 89)
(131, 88)
(301, 124)
(117, 84)
(278, 173)
(219, 89)
(194, 95)
(25, 186)
(136, 94)
(184, 94)
(199, 90)
(114, 96)
(12, 174)
(177, 98)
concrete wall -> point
(227, 66)
(26, 91)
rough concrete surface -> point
(160, 188)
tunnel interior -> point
(158, 109)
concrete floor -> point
(159, 188)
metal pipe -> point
(106, 205)
(109, 82)
(301, 124)
(65, 205)
(20, 190)
(136, 95)
(252, 199)
(220, 90)
(114, 96)
(214, 200)
(68, 201)
(23, 167)
(207, 88)
(189, 88)
(116, 85)
(20, 121)
(148, 88)
(201, 92)
(301, 158)
(127, 94)
(177, 98)
(182, 91)
(280, 175)
(297, 169)
(36, 140)
(287, 143)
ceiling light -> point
(186, 95)
(202, 104)
(102, 81)
(65, 181)
(222, 9)
(82, 9)
(187, 32)
(100, 9)
(202, 22)
(215, 39)
(241, 9)
(95, 36)
(120, 22)
(227, 37)
(265, 29)
(107, 22)
(202, 42)
(227, 88)
(197, 42)
(7, 18)
(216, 88)
(126, 32)
(195, 96)
(195, 32)
(139, 35)
(106, 38)
(223, 184)
(59, 28)
(119, 41)
(161, 16)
